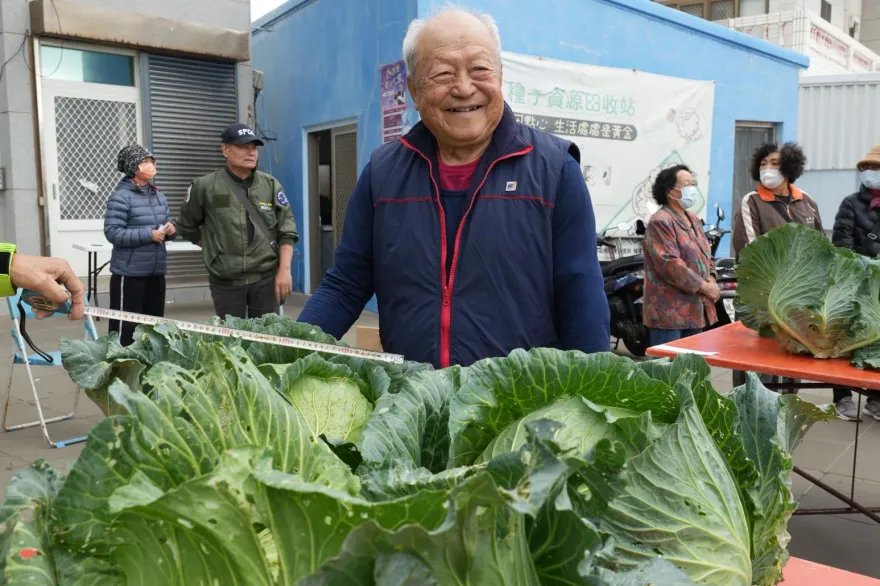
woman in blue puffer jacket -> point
(137, 224)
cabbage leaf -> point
(795, 285)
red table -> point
(737, 347)
(799, 572)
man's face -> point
(457, 84)
(241, 156)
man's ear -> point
(225, 150)
(412, 86)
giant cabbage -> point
(814, 298)
(542, 467)
(93, 366)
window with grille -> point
(826, 10)
(752, 8)
(722, 10)
(693, 9)
(716, 9)
(89, 135)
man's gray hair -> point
(411, 40)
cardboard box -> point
(368, 338)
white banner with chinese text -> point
(629, 125)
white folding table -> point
(93, 249)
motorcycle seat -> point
(626, 262)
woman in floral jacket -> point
(680, 289)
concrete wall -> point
(828, 187)
(840, 9)
(871, 25)
(20, 215)
(321, 60)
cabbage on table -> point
(794, 285)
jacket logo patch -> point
(511, 186)
(265, 206)
(282, 199)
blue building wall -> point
(322, 62)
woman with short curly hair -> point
(776, 201)
(680, 290)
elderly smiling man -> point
(475, 233)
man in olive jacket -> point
(248, 259)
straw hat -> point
(873, 156)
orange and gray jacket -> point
(760, 212)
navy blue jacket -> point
(520, 272)
(132, 214)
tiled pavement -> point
(843, 541)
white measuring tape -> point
(242, 334)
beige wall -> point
(20, 214)
(871, 25)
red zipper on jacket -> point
(447, 282)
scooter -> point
(725, 269)
(624, 286)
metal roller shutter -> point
(190, 103)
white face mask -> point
(688, 197)
(870, 178)
(771, 178)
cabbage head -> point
(796, 286)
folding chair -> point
(20, 355)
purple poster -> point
(393, 80)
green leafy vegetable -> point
(680, 501)
(334, 401)
(796, 286)
(772, 426)
(230, 462)
(501, 391)
(180, 432)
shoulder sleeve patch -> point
(188, 193)
(282, 199)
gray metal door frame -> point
(344, 174)
(748, 136)
(314, 219)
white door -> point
(83, 127)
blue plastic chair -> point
(21, 356)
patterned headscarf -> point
(130, 157)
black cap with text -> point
(240, 134)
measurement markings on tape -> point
(242, 334)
